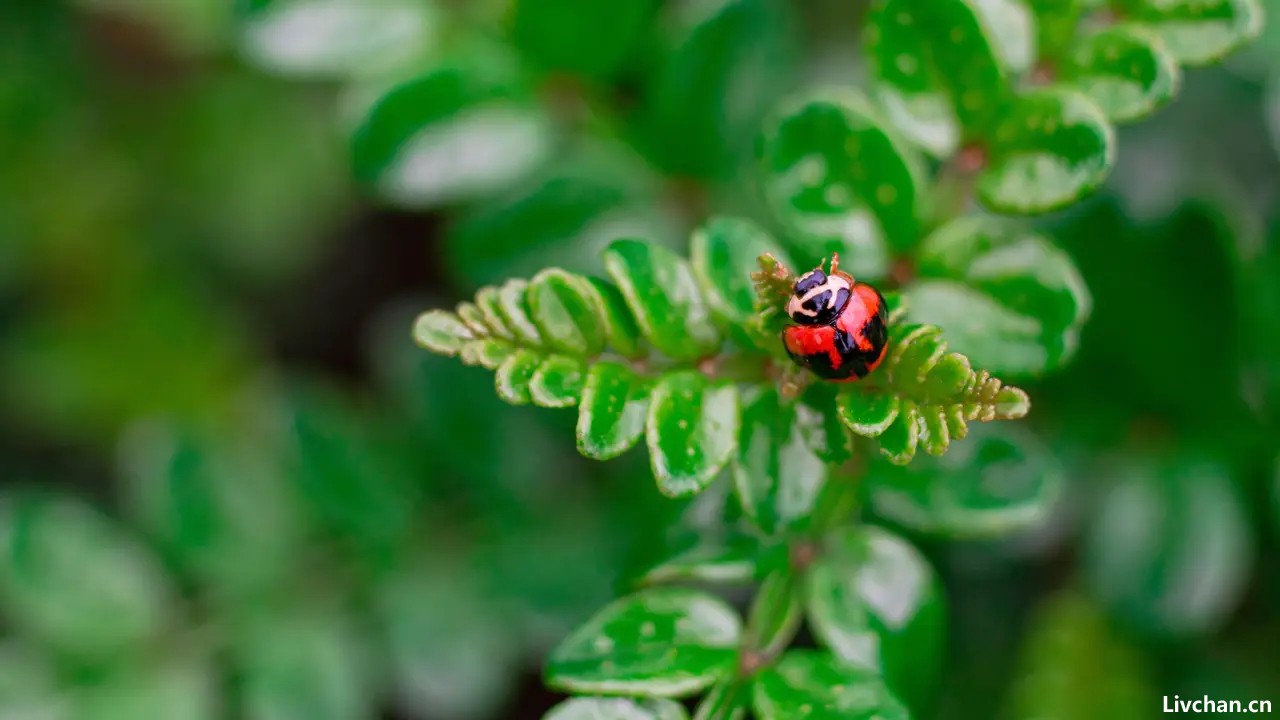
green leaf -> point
(557, 382)
(224, 514)
(732, 560)
(776, 612)
(663, 642)
(356, 490)
(563, 217)
(449, 644)
(586, 39)
(1164, 526)
(692, 430)
(937, 393)
(566, 310)
(1199, 32)
(1057, 22)
(820, 425)
(486, 353)
(947, 63)
(724, 255)
(876, 604)
(489, 303)
(1126, 70)
(1071, 645)
(812, 685)
(868, 414)
(513, 306)
(661, 292)
(455, 132)
(74, 580)
(776, 475)
(999, 481)
(442, 332)
(1009, 300)
(470, 316)
(611, 415)
(698, 116)
(303, 664)
(840, 182)
(620, 324)
(1051, 149)
(514, 376)
(342, 38)
(616, 709)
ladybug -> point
(841, 326)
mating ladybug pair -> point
(841, 326)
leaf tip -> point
(441, 332)
(1012, 403)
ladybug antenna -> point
(835, 263)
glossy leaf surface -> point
(665, 642)
(876, 604)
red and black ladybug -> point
(841, 327)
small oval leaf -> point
(899, 441)
(620, 324)
(664, 297)
(564, 307)
(876, 603)
(724, 255)
(75, 580)
(813, 685)
(514, 375)
(1126, 70)
(611, 414)
(692, 431)
(1053, 148)
(599, 708)
(513, 304)
(1001, 480)
(441, 332)
(1163, 526)
(662, 642)
(867, 413)
(1009, 300)
(840, 182)
(1199, 32)
(452, 133)
(557, 382)
(953, 48)
(776, 475)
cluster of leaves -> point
(295, 567)
(1030, 91)
(1011, 103)
(646, 356)
(551, 126)
(868, 595)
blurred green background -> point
(230, 486)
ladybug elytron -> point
(841, 326)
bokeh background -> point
(234, 488)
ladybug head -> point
(818, 297)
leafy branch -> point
(1012, 106)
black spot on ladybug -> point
(810, 281)
(817, 302)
